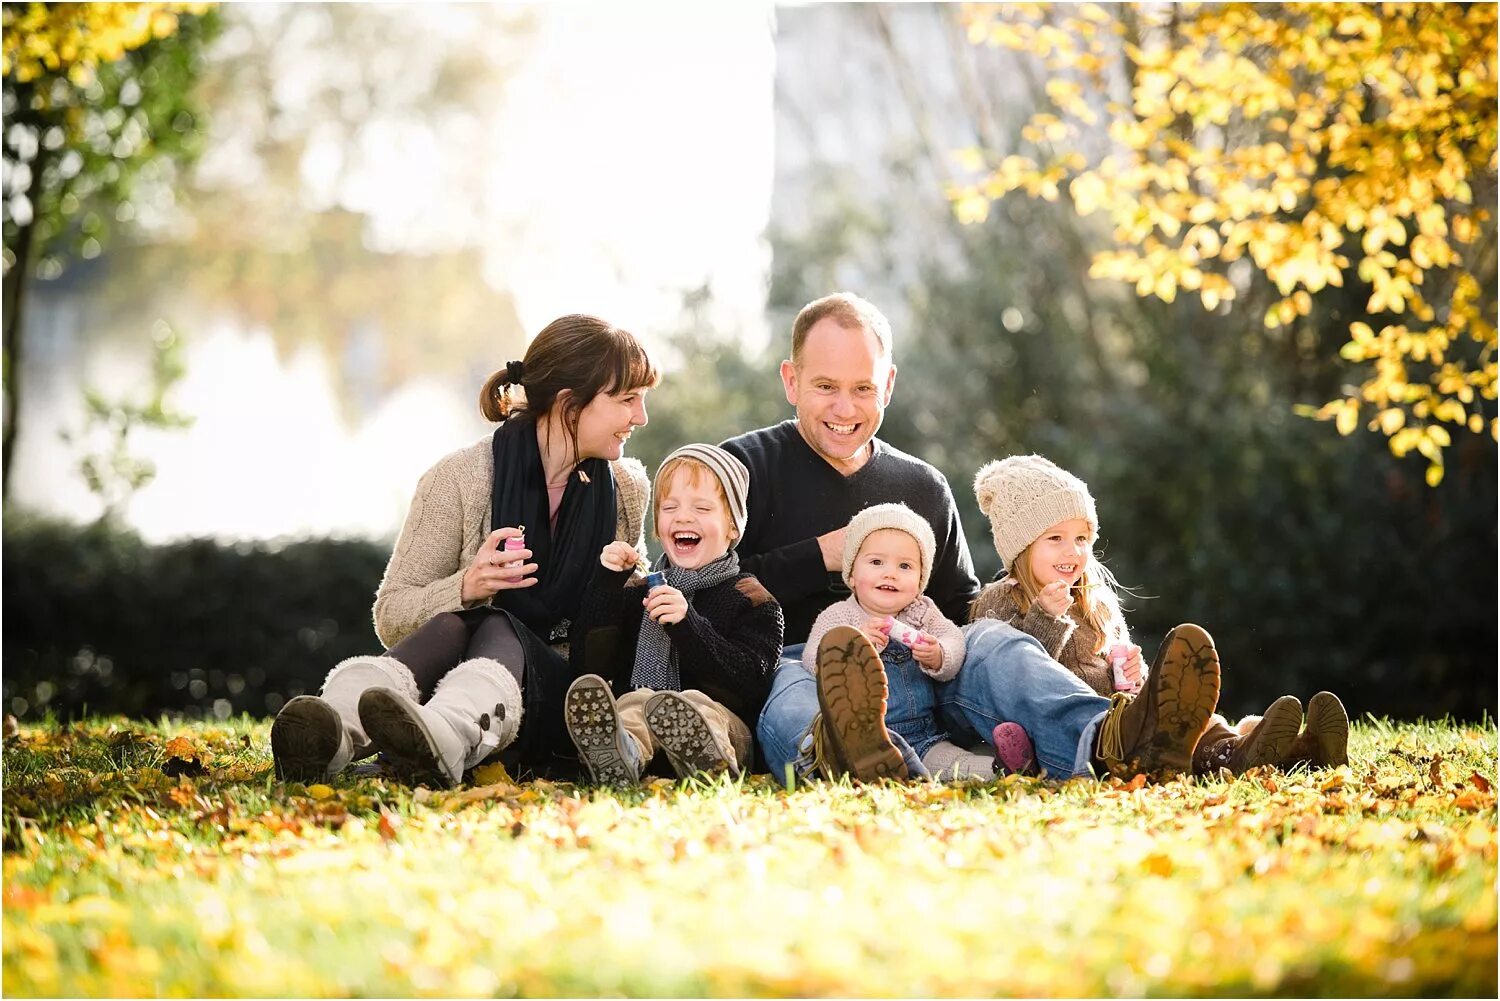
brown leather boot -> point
(1155, 733)
(1325, 741)
(850, 731)
(1267, 744)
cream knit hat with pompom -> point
(1024, 496)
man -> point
(808, 477)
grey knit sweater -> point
(1069, 640)
(448, 522)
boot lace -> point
(1111, 741)
(816, 756)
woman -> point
(489, 568)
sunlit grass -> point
(1374, 879)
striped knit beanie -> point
(1024, 496)
(898, 516)
(730, 472)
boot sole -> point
(1186, 693)
(680, 730)
(594, 724)
(403, 738)
(1271, 738)
(852, 695)
(1328, 722)
(305, 739)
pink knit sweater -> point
(921, 614)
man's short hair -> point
(848, 311)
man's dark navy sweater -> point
(796, 495)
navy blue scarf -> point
(585, 525)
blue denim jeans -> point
(911, 706)
(1007, 675)
(788, 712)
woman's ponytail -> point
(494, 398)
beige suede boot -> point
(1155, 732)
(1265, 743)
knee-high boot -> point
(314, 737)
(474, 711)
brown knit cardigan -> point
(448, 522)
(1069, 640)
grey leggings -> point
(450, 638)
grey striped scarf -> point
(655, 658)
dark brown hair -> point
(848, 311)
(577, 352)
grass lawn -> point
(120, 879)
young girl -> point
(888, 553)
(683, 662)
(1045, 524)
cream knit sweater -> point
(921, 614)
(448, 522)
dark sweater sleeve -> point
(792, 571)
(606, 625)
(744, 653)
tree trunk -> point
(15, 295)
(16, 280)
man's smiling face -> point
(840, 386)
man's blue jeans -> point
(1007, 676)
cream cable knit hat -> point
(1024, 496)
(899, 517)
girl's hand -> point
(929, 652)
(496, 569)
(619, 556)
(666, 605)
(1055, 598)
(1135, 668)
(876, 630)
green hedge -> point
(96, 620)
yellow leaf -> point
(491, 774)
(1434, 475)
(320, 791)
(1347, 419)
(1158, 864)
(182, 747)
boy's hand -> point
(1055, 598)
(666, 605)
(929, 652)
(495, 568)
(618, 556)
(876, 631)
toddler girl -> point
(888, 553)
(1045, 524)
(681, 662)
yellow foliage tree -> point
(72, 39)
(1322, 142)
(90, 105)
